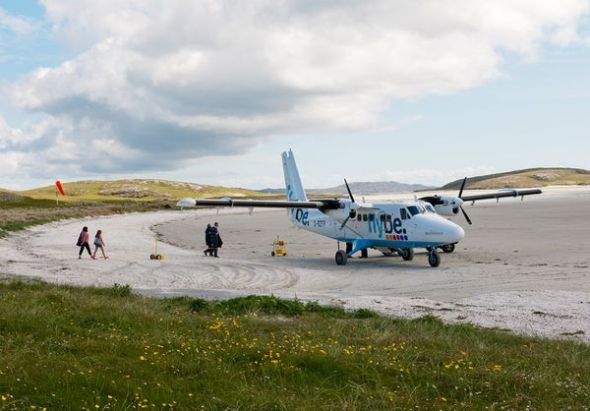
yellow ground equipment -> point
(155, 255)
(279, 248)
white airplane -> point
(390, 227)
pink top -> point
(85, 237)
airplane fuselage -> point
(387, 225)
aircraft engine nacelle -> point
(448, 206)
(447, 211)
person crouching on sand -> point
(83, 243)
(99, 243)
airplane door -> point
(407, 226)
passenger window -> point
(359, 217)
(382, 217)
(403, 213)
(371, 217)
(365, 218)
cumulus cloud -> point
(155, 83)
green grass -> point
(85, 348)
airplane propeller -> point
(461, 207)
(352, 213)
(349, 191)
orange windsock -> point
(60, 188)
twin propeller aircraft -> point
(390, 227)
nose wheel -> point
(433, 258)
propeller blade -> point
(349, 192)
(466, 216)
(462, 187)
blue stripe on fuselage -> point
(394, 244)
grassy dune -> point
(136, 190)
(97, 349)
(19, 210)
(538, 177)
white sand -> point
(523, 266)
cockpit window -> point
(430, 208)
(404, 214)
(413, 210)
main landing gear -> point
(448, 249)
(407, 254)
(341, 257)
(433, 258)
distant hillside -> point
(534, 177)
(137, 190)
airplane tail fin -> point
(295, 191)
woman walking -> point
(83, 243)
(99, 243)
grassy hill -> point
(534, 177)
(19, 210)
(136, 190)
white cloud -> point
(154, 83)
(16, 24)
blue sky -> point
(502, 104)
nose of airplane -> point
(454, 232)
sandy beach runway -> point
(522, 266)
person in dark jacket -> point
(207, 252)
(219, 241)
(213, 240)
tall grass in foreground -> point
(96, 349)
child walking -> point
(83, 243)
(99, 243)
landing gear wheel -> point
(272, 254)
(433, 259)
(341, 257)
(407, 254)
(449, 248)
(365, 253)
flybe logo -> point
(392, 228)
(302, 217)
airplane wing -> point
(230, 202)
(501, 194)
